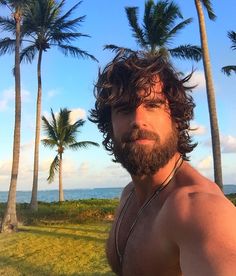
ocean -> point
(52, 195)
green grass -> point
(60, 239)
(77, 249)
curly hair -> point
(128, 74)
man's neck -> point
(145, 185)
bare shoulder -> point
(202, 212)
(201, 221)
(196, 195)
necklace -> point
(144, 206)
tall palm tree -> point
(10, 45)
(61, 133)
(45, 26)
(230, 68)
(215, 137)
(158, 30)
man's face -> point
(145, 137)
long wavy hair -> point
(127, 74)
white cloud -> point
(77, 114)
(205, 163)
(198, 78)
(198, 129)
(8, 97)
(28, 146)
(5, 167)
(51, 93)
(228, 144)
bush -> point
(75, 211)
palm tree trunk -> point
(9, 223)
(34, 202)
(61, 193)
(210, 97)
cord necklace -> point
(144, 206)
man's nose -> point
(138, 117)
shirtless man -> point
(171, 220)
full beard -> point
(140, 159)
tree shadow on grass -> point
(24, 268)
(43, 232)
(90, 229)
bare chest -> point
(138, 244)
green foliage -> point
(158, 30)
(76, 211)
(45, 26)
(61, 133)
(230, 68)
(232, 198)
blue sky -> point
(68, 82)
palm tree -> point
(10, 45)
(61, 133)
(44, 27)
(230, 68)
(210, 88)
(158, 30)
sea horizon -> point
(51, 195)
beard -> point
(141, 159)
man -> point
(171, 220)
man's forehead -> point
(153, 89)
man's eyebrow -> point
(154, 100)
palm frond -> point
(54, 123)
(50, 143)
(53, 169)
(208, 6)
(8, 24)
(232, 37)
(3, 2)
(46, 26)
(63, 121)
(70, 132)
(59, 37)
(28, 53)
(187, 52)
(117, 49)
(83, 144)
(7, 45)
(178, 28)
(49, 129)
(75, 52)
(133, 22)
(61, 19)
(228, 69)
(69, 25)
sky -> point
(69, 82)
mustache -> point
(136, 134)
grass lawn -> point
(60, 239)
(76, 249)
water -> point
(52, 195)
